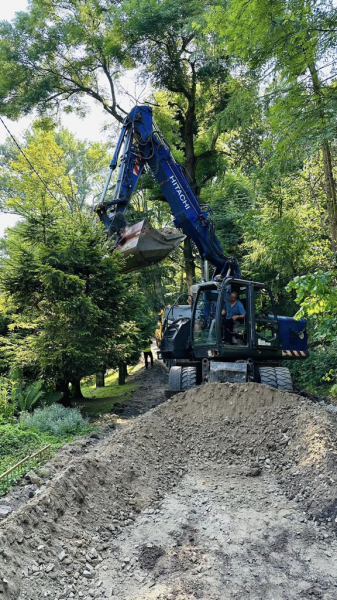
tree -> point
(57, 54)
(69, 310)
(317, 295)
(86, 165)
(72, 311)
(292, 45)
(168, 39)
(231, 198)
(71, 169)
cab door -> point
(265, 324)
(204, 317)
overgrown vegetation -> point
(69, 311)
(17, 441)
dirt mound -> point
(258, 426)
(54, 545)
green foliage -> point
(86, 164)
(230, 199)
(7, 401)
(318, 372)
(50, 398)
(299, 98)
(13, 439)
(55, 419)
(67, 295)
(72, 311)
(16, 442)
(16, 397)
(29, 397)
(72, 170)
(317, 297)
(50, 55)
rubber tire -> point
(188, 378)
(268, 376)
(283, 379)
(175, 377)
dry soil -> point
(226, 491)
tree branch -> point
(211, 153)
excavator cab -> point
(253, 332)
(200, 350)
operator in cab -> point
(233, 310)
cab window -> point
(266, 326)
(204, 319)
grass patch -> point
(111, 389)
(54, 425)
(100, 401)
(17, 443)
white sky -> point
(90, 127)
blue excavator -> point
(198, 347)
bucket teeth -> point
(142, 245)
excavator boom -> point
(141, 145)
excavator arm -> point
(140, 146)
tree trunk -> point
(190, 167)
(190, 158)
(330, 184)
(159, 286)
(63, 387)
(76, 389)
(181, 285)
(122, 373)
(100, 379)
(330, 187)
(189, 264)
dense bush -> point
(319, 370)
(55, 419)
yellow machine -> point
(171, 313)
(159, 331)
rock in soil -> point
(5, 510)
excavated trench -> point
(225, 491)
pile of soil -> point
(184, 475)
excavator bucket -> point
(141, 245)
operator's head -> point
(234, 296)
